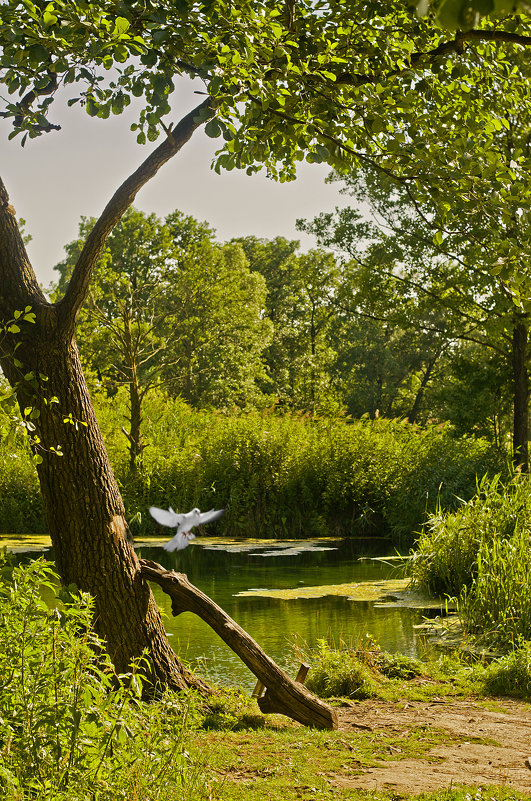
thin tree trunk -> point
(412, 416)
(135, 398)
(521, 395)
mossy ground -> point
(286, 763)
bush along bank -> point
(481, 554)
(282, 475)
(70, 728)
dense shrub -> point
(21, 510)
(70, 730)
(338, 673)
(294, 475)
(280, 475)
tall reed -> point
(481, 554)
(278, 475)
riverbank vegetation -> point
(363, 670)
(481, 555)
(71, 730)
(278, 474)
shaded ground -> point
(489, 744)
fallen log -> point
(283, 695)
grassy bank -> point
(69, 732)
(481, 554)
(277, 475)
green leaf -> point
(37, 54)
(455, 14)
(484, 7)
(48, 18)
(92, 106)
(121, 26)
(212, 129)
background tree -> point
(450, 291)
(298, 304)
(473, 392)
(283, 82)
(125, 320)
(219, 332)
(471, 199)
(168, 307)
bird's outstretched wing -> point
(208, 517)
(179, 542)
(166, 517)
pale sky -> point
(65, 174)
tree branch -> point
(18, 284)
(78, 287)
(444, 48)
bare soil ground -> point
(492, 745)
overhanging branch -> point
(78, 287)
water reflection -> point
(223, 568)
(222, 571)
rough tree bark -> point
(84, 510)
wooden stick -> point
(283, 695)
(258, 689)
(303, 672)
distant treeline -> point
(379, 325)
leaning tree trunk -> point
(84, 510)
(521, 395)
(83, 507)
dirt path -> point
(493, 745)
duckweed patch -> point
(356, 591)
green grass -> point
(294, 763)
(288, 763)
(511, 674)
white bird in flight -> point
(184, 522)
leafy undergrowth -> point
(278, 475)
(70, 729)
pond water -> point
(224, 568)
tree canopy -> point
(352, 84)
